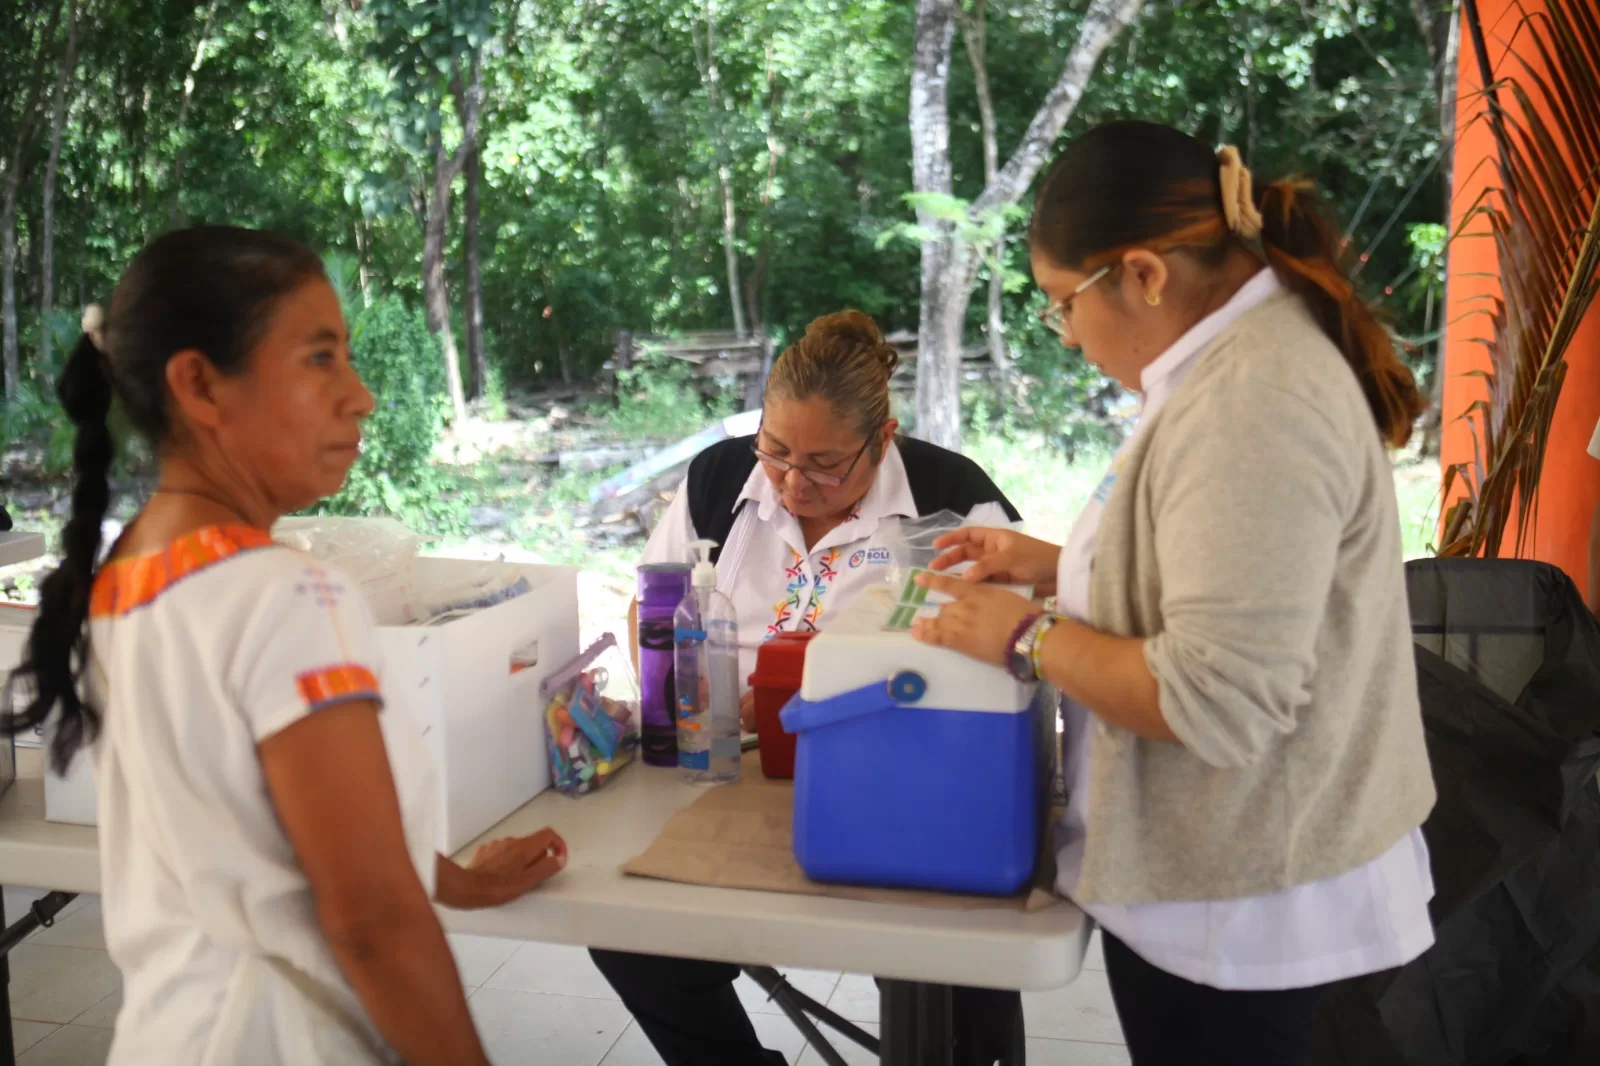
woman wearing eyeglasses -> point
(1243, 749)
(799, 510)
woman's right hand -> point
(509, 869)
(1001, 555)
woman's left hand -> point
(979, 622)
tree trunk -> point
(563, 349)
(58, 122)
(436, 215)
(1436, 24)
(12, 169)
(1249, 107)
(938, 344)
(8, 298)
(730, 251)
(435, 289)
(949, 267)
(1447, 104)
(974, 32)
(621, 360)
(362, 269)
(755, 288)
(477, 359)
(1433, 418)
(730, 215)
(564, 357)
(175, 214)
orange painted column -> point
(1570, 486)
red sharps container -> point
(780, 664)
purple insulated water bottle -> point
(662, 586)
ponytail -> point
(1303, 248)
(1133, 184)
(58, 645)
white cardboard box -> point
(483, 723)
(15, 621)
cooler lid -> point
(870, 642)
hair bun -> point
(889, 357)
(851, 325)
(856, 331)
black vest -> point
(940, 480)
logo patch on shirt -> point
(870, 557)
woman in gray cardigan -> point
(1243, 742)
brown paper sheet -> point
(740, 836)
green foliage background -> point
(600, 204)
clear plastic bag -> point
(485, 585)
(592, 718)
(379, 554)
(909, 542)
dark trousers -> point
(1168, 1021)
(692, 1015)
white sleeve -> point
(991, 515)
(1594, 442)
(669, 541)
(310, 644)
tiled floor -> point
(534, 1003)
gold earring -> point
(1153, 298)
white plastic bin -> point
(485, 724)
(482, 721)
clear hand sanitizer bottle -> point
(706, 664)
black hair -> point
(1135, 184)
(210, 289)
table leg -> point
(916, 1024)
(42, 915)
(8, 1053)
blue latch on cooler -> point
(800, 714)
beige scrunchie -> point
(1238, 195)
(94, 326)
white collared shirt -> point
(1369, 919)
(775, 582)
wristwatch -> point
(1022, 661)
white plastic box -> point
(15, 622)
(482, 721)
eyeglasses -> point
(816, 477)
(1057, 318)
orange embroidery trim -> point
(125, 585)
(336, 684)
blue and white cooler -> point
(916, 766)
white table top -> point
(592, 904)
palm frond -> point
(1542, 210)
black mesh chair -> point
(1508, 665)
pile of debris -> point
(644, 489)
